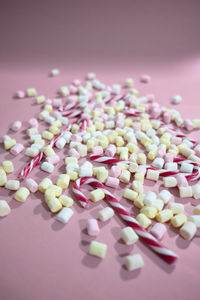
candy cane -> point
(30, 166)
(151, 241)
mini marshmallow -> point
(196, 191)
(169, 181)
(130, 194)
(97, 150)
(86, 170)
(125, 176)
(72, 167)
(188, 230)
(16, 126)
(164, 215)
(105, 214)
(178, 220)
(111, 150)
(137, 186)
(181, 180)
(54, 159)
(112, 182)
(63, 181)
(3, 177)
(82, 150)
(115, 171)
(61, 142)
(97, 249)
(44, 184)
(67, 136)
(176, 208)
(66, 201)
(4, 208)
(143, 220)
(54, 205)
(149, 211)
(12, 185)
(176, 99)
(158, 162)
(97, 195)
(71, 160)
(92, 227)
(31, 92)
(171, 166)
(129, 236)
(31, 184)
(47, 167)
(33, 123)
(19, 94)
(150, 198)
(9, 143)
(134, 262)
(138, 202)
(22, 194)
(7, 165)
(158, 230)
(185, 192)
(186, 168)
(54, 72)
(145, 78)
(64, 215)
(152, 175)
(188, 125)
(47, 135)
(133, 167)
(195, 219)
(31, 151)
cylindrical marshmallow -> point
(164, 215)
(47, 167)
(31, 151)
(15, 126)
(149, 211)
(176, 208)
(196, 210)
(150, 198)
(4, 208)
(188, 230)
(54, 205)
(97, 195)
(130, 194)
(134, 262)
(7, 165)
(105, 214)
(112, 182)
(115, 171)
(171, 166)
(143, 220)
(196, 191)
(86, 170)
(170, 181)
(92, 227)
(97, 249)
(33, 122)
(12, 185)
(185, 192)
(22, 194)
(158, 230)
(61, 142)
(17, 149)
(3, 177)
(178, 220)
(195, 219)
(65, 215)
(31, 184)
(111, 150)
(181, 180)
(125, 176)
(54, 159)
(186, 168)
(152, 175)
(129, 236)
(158, 162)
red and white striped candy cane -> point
(72, 114)
(166, 254)
(30, 166)
(69, 106)
(106, 159)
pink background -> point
(41, 258)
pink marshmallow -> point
(188, 125)
(176, 140)
(141, 170)
(73, 89)
(48, 101)
(31, 185)
(119, 120)
(166, 118)
(145, 78)
(72, 99)
(115, 171)
(169, 157)
(158, 230)
(20, 94)
(92, 227)
(54, 159)
(111, 150)
(76, 138)
(105, 117)
(17, 149)
(72, 152)
(33, 122)
(155, 112)
(161, 153)
(77, 82)
(136, 126)
(97, 150)
(86, 116)
(112, 182)
(150, 97)
(181, 180)
(16, 125)
(57, 102)
(56, 114)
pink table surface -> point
(41, 258)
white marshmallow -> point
(158, 162)
(171, 166)
(134, 262)
(12, 185)
(150, 198)
(86, 170)
(195, 219)
(61, 142)
(32, 151)
(4, 208)
(170, 181)
(65, 215)
(67, 136)
(152, 175)
(188, 230)
(196, 191)
(185, 191)
(129, 236)
(47, 167)
(176, 208)
(176, 99)
(72, 167)
(186, 168)
(165, 196)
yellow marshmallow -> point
(143, 220)
(63, 181)
(149, 211)
(9, 143)
(102, 175)
(54, 205)
(164, 215)
(57, 123)
(55, 130)
(97, 249)
(22, 194)
(139, 201)
(130, 194)
(73, 175)
(119, 141)
(47, 135)
(97, 195)
(3, 177)
(7, 165)
(178, 220)
(44, 184)
(139, 177)
(71, 160)
(40, 99)
(141, 159)
(66, 201)
(48, 151)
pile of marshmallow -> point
(143, 137)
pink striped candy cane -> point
(151, 241)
